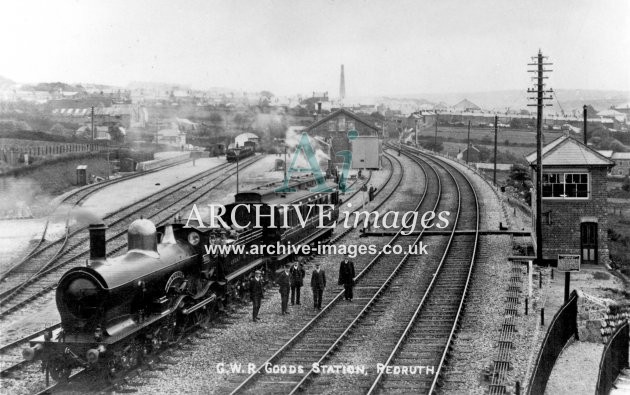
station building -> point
(334, 128)
(574, 201)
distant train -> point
(115, 311)
(243, 152)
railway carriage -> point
(117, 310)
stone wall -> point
(598, 318)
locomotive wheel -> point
(131, 357)
(59, 372)
(203, 317)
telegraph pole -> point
(417, 133)
(540, 103)
(496, 132)
(585, 135)
(436, 130)
(468, 149)
(92, 114)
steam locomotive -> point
(116, 311)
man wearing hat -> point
(318, 283)
(256, 294)
(346, 277)
(284, 281)
(297, 280)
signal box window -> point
(565, 185)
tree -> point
(377, 115)
(242, 120)
(115, 133)
(60, 130)
(216, 118)
(430, 145)
(520, 178)
(516, 123)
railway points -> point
(433, 313)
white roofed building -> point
(243, 137)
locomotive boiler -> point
(114, 311)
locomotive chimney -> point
(98, 246)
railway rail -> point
(157, 360)
(42, 264)
(73, 199)
(440, 287)
(428, 323)
(46, 279)
(335, 321)
(434, 323)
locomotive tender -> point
(115, 311)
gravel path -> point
(475, 346)
(576, 369)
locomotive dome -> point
(142, 237)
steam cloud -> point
(85, 216)
(292, 140)
(18, 196)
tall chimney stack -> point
(342, 86)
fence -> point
(562, 328)
(614, 359)
(16, 155)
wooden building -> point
(334, 129)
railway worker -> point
(297, 280)
(318, 283)
(346, 277)
(371, 192)
(256, 294)
(284, 281)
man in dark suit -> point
(371, 192)
(297, 280)
(318, 283)
(284, 281)
(346, 277)
(256, 294)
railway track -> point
(73, 199)
(318, 339)
(436, 318)
(46, 280)
(352, 197)
(75, 245)
(420, 328)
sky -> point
(295, 46)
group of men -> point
(291, 280)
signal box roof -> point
(567, 151)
